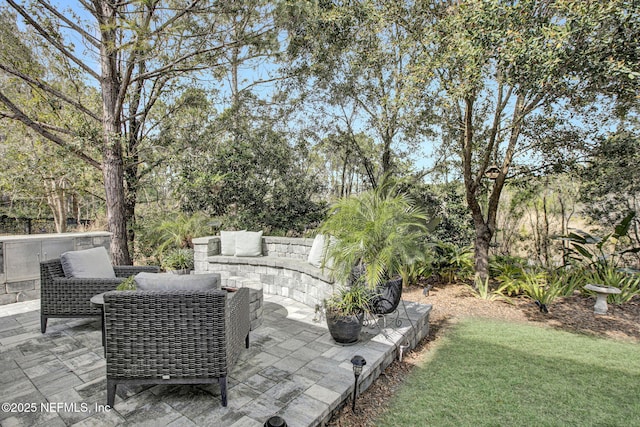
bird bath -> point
(602, 292)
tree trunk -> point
(56, 199)
(113, 169)
(481, 253)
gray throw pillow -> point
(175, 282)
(249, 243)
(91, 263)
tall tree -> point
(36, 173)
(136, 53)
(355, 59)
(497, 66)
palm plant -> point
(374, 236)
(379, 230)
(179, 231)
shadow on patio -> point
(293, 369)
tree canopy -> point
(263, 111)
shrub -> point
(538, 286)
(452, 263)
(178, 259)
(484, 290)
(627, 282)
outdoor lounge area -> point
(292, 369)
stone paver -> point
(293, 369)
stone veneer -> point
(282, 270)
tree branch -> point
(50, 90)
(13, 116)
(47, 36)
(22, 117)
(70, 23)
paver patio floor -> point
(293, 369)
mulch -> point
(452, 302)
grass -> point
(487, 373)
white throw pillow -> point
(317, 251)
(91, 263)
(228, 242)
(248, 243)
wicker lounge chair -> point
(174, 337)
(61, 296)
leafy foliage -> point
(536, 284)
(601, 253)
(451, 262)
(483, 290)
(379, 229)
(128, 284)
(159, 233)
(610, 186)
(627, 282)
(257, 182)
(349, 301)
(177, 259)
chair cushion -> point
(248, 243)
(170, 282)
(228, 242)
(91, 263)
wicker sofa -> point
(174, 337)
(61, 296)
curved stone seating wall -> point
(282, 270)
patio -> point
(293, 369)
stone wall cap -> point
(18, 237)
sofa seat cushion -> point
(299, 265)
(91, 263)
(170, 282)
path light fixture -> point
(275, 421)
(492, 172)
(358, 362)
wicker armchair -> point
(61, 296)
(174, 337)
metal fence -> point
(13, 225)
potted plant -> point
(178, 261)
(373, 236)
(345, 313)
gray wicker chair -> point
(61, 296)
(174, 337)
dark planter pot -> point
(387, 297)
(345, 329)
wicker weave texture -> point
(61, 296)
(174, 335)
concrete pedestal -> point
(602, 292)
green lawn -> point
(488, 373)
